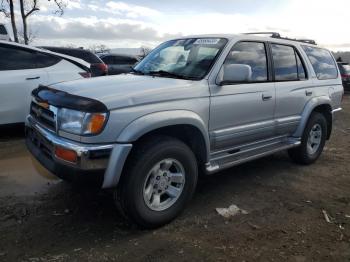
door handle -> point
(33, 78)
(308, 93)
(266, 97)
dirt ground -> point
(44, 219)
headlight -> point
(80, 123)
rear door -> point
(19, 74)
(294, 88)
(242, 113)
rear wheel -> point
(158, 180)
(312, 141)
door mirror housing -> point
(234, 74)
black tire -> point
(300, 154)
(141, 161)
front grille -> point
(43, 115)
(40, 142)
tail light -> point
(85, 74)
(345, 76)
(103, 67)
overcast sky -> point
(147, 22)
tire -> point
(158, 157)
(307, 154)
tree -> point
(7, 8)
(28, 7)
(99, 49)
(144, 51)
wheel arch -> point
(185, 125)
(318, 104)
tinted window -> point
(322, 62)
(251, 54)
(108, 60)
(17, 59)
(124, 60)
(3, 30)
(43, 60)
(301, 68)
(82, 54)
(285, 63)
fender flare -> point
(308, 109)
(142, 126)
(153, 121)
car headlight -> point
(81, 123)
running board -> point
(229, 160)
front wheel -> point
(312, 141)
(158, 180)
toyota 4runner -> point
(200, 103)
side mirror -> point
(234, 73)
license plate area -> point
(41, 143)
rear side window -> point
(84, 55)
(108, 60)
(44, 60)
(252, 54)
(81, 54)
(3, 30)
(13, 58)
(322, 62)
(287, 63)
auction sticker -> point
(207, 41)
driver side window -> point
(252, 54)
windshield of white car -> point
(190, 58)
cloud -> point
(130, 10)
(99, 30)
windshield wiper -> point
(169, 74)
(137, 72)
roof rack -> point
(278, 35)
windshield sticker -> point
(207, 41)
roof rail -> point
(273, 34)
(278, 35)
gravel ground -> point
(45, 219)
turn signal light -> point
(66, 154)
(96, 123)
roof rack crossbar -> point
(278, 35)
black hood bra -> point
(63, 99)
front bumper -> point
(92, 161)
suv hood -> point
(130, 90)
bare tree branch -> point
(28, 7)
(4, 8)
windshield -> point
(185, 58)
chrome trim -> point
(213, 167)
(83, 150)
(337, 110)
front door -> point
(242, 113)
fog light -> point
(66, 154)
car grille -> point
(44, 145)
(43, 115)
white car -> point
(23, 69)
(3, 33)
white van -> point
(3, 33)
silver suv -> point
(200, 103)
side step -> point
(233, 157)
